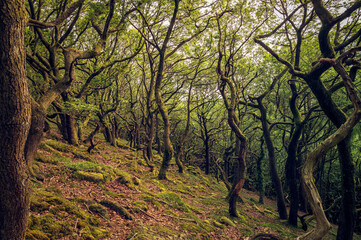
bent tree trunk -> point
(168, 147)
(15, 117)
(312, 159)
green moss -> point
(227, 221)
(196, 228)
(174, 200)
(35, 235)
(218, 224)
(109, 173)
(46, 158)
(126, 179)
(117, 208)
(62, 147)
(152, 200)
(59, 229)
(37, 204)
(90, 176)
(136, 181)
(89, 232)
(84, 156)
(146, 232)
(246, 232)
(242, 219)
(140, 205)
(111, 194)
(99, 209)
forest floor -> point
(111, 194)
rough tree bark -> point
(168, 147)
(230, 102)
(15, 114)
(341, 134)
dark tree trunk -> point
(71, 130)
(334, 113)
(15, 114)
(281, 206)
(260, 177)
(291, 163)
(206, 146)
(348, 213)
(148, 146)
(239, 179)
(291, 175)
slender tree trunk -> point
(206, 146)
(260, 177)
(168, 147)
(148, 146)
(291, 163)
(281, 206)
(15, 114)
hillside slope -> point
(111, 194)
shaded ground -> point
(110, 194)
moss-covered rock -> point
(90, 176)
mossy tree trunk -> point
(229, 93)
(281, 206)
(333, 112)
(341, 134)
(15, 114)
(167, 144)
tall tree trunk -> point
(291, 175)
(348, 214)
(334, 113)
(206, 147)
(168, 147)
(260, 177)
(148, 146)
(312, 159)
(15, 114)
(291, 163)
(281, 206)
